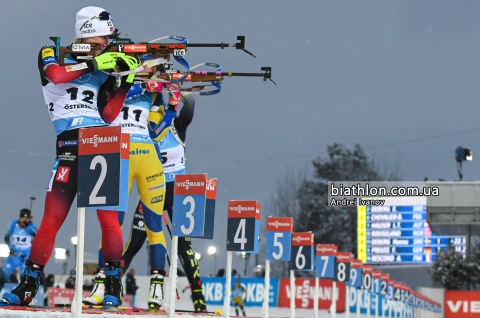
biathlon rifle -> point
(159, 52)
(215, 78)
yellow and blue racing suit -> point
(146, 128)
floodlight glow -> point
(74, 240)
(212, 250)
(60, 253)
(198, 256)
(4, 250)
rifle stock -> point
(154, 51)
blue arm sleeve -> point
(135, 90)
(9, 232)
(156, 130)
(33, 229)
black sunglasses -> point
(104, 16)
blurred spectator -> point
(13, 278)
(42, 278)
(131, 285)
(70, 282)
(48, 282)
(87, 285)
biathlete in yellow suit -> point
(237, 297)
(146, 127)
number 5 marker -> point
(279, 238)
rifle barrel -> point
(222, 45)
(240, 74)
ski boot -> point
(98, 291)
(155, 300)
(113, 283)
(24, 293)
(197, 296)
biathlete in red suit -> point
(71, 93)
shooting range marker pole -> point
(92, 158)
(367, 292)
(358, 302)
(77, 299)
(228, 286)
(266, 292)
(333, 307)
(392, 308)
(173, 277)
(315, 298)
(347, 301)
(292, 294)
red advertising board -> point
(211, 188)
(302, 239)
(100, 140)
(463, 304)
(305, 292)
(279, 224)
(65, 296)
(326, 249)
(242, 209)
(190, 184)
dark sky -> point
(370, 72)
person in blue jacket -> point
(19, 238)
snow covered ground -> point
(251, 312)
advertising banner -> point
(462, 304)
(305, 291)
(214, 290)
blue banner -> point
(386, 308)
(214, 290)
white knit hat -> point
(95, 26)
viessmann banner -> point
(305, 292)
(465, 304)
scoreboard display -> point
(398, 232)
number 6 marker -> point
(301, 258)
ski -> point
(218, 312)
(135, 309)
(101, 307)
